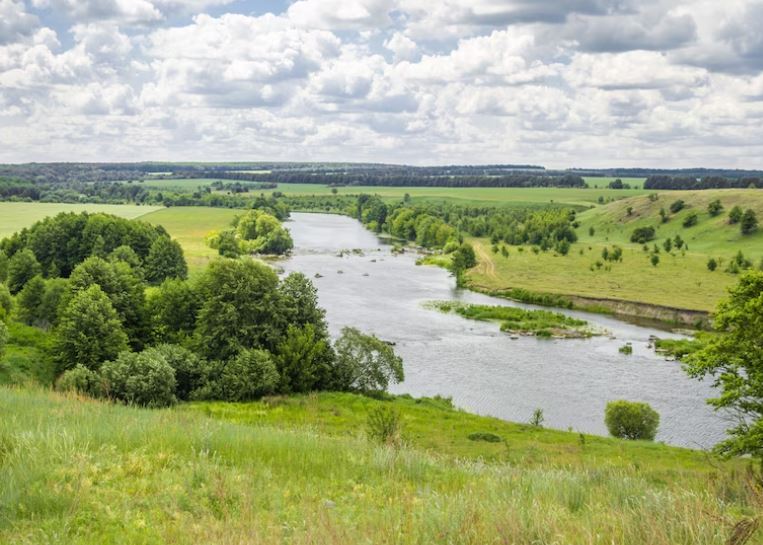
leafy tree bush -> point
(123, 288)
(691, 220)
(29, 302)
(250, 375)
(303, 360)
(715, 208)
(173, 308)
(365, 363)
(749, 222)
(89, 331)
(127, 254)
(3, 267)
(654, 260)
(642, 235)
(735, 215)
(81, 380)
(165, 260)
(22, 267)
(677, 206)
(191, 372)
(630, 420)
(143, 378)
(712, 264)
(240, 308)
(6, 303)
(734, 360)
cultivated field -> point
(14, 216)
(189, 226)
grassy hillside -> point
(14, 216)
(82, 472)
(189, 226)
(681, 279)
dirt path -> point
(485, 263)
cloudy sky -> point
(563, 83)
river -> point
(484, 370)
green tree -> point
(165, 260)
(22, 267)
(715, 208)
(303, 360)
(642, 235)
(734, 360)
(365, 363)
(749, 222)
(712, 264)
(677, 206)
(123, 287)
(191, 372)
(127, 254)
(89, 331)
(6, 303)
(249, 376)
(29, 302)
(173, 308)
(735, 215)
(81, 380)
(240, 308)
(691, 220)
(629, 420)
(300, 303)
(143, 378)
(462, 260)
(3, 267)
(654, 260)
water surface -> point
(482, 369)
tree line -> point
(236, 332)
(707, 182)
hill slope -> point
(84, 472)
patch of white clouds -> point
(561, 83)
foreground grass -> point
(82, 472)
(14, 216)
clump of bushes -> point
(631, 420)
(485, 436)
(642, 235)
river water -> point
(484, 370)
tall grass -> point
(74, 471)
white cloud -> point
(561, 83)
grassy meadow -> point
(14, 216)
(77, 471)
(189, 226)
(681, 279)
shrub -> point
(749, 222)
(631, 420)
(642, 235)
(677, 206)
(536, 420)
(715, 208)
(250, 375)
(626, 349)
(191, 372)
(143, 378)
(691, 220)
(654, 260)
(485, 436)
(735, 215)
(81, 380)
(712, 264)
(384, 426)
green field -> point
(604, 181)
(189, 226)
(14, 216)
(680, 280)
(487, 196)
(77, 471)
